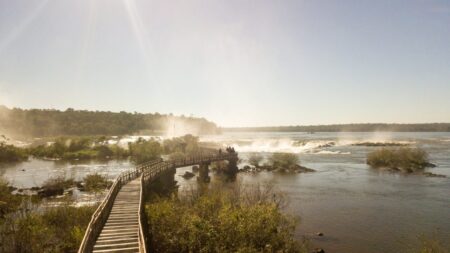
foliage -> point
(406, 159)
(95, 182)
(78, 148)
(39, 123)
(187, 144)
(430, 244)
(144, 151)
(56, 229)
(10, 153)
(284, 160)
(255, 159)
(8, 202)
(177, 156)
(222, 220)
(58, 182)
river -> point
(358, 209)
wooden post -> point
(204, 173)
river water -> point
(358, 209)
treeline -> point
(369, 127)
(50, 122)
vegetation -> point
(404, 159)
(97, 147)
(39, 123)
(432, 127)
(56, 229)
(255, 159)
(187, 144)
(430, 244)
(10, 153)
(143, 151)
(95, 182)
(55, 186)
(8, 202)
(79, 148)
(284, 160)
(223, 220)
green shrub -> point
(79, 148)
(405, 159)
(187, 144)
(95, 182)
(221, 221)
(56, 229)
(144, 151)
(10, 153)
(177, 156)
(8, 202)
(284, 160)
(430, 244)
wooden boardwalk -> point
(118, 224)
(121, 230)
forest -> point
(368, 127)
(51, 122)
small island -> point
(403, 159)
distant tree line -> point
(369, 127)
(50, 122)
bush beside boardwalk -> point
(222, 219)
(27, 226)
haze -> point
(237, 63)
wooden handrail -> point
(102, 212)
(147, 171)
(141, 235)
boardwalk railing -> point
(148, 172)
(101, 214)
(142, 219)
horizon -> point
(237, 64)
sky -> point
(235, 62)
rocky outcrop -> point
(188, 175)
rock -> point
(247, 168)
(429, 174)
(34, 188)
(318, 250)
(430, 165)
(11, 188)
(302, 169)
(195, 168)
(188, 175)
(50, 192)
(327, 145)
(319, 234)
(80, 185)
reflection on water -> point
(35, 172)
(357, 208)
